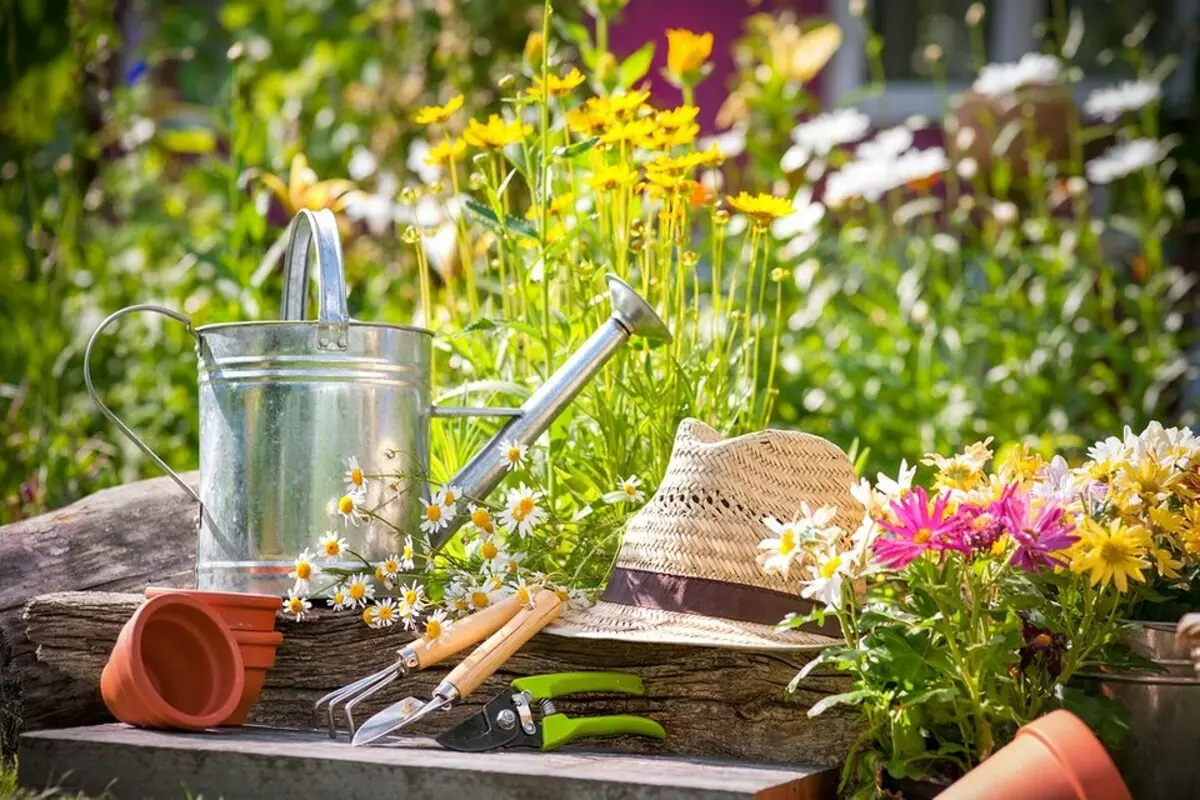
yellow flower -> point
(1166, 519)
(557, 86)
(1189, 531)
(762, 208)
(589, 118)
(799, 57)
(634, 130)
(1022, 464)
(444, 151)
(1166, 562)
(712, 157)
(438, 115)
(1112, 554)
(675, 118)
(559, 205)
(686, 52)
(611, 178)
(624, 106)
(535, 46)
(963, 471)
(1150, 479)
(495, 133)
(304, 190)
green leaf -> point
(853, 698)
(576, 149)
(634, 68)
(510, 224)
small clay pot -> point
(241, 612)
(175, 665)
(1055, 757)
(258, 656)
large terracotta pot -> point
(175, 665)
(1055, 757)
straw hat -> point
(687, 571)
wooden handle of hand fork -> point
(487, 658)
(467, 631)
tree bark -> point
(713, 702)
(117, 539)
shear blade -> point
(481, 731)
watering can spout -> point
(631, 316)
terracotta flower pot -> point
(175, 665)
(1055, 757)
(241, 612)
(258, 656)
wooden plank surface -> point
(255, 762)
(713, 702)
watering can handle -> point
(316, 232)
(87, 379)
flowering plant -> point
(968, 606)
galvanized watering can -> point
(283, 404)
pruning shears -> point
(508, 720)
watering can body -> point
(284, 405)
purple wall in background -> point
(648, 20)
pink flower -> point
(1039, 530)
(918, 529)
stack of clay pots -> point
(191, 660)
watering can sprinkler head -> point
(631, 315)
(634, 313)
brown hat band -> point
(710, 598)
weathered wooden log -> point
(117, 539)
(712, 701)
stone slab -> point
(259, 762)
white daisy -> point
(522, 512)
(885, 145)
(1110, 102)
(627, 491)
(356, 481)
(296, 606)
(481, 518)
(359, 590)
(406, 555)
(458, 597)
(450, 495)
(819, 135)
(799, 228)
(513, 454)
(892, 489)
(826, 584)
(338, 599)
(412, 598)
(350, 507)
(778, 550)
(503, 563)
(873, 177)
(574, 599)
(384, 614)
(332, 545)
(390, 569)
(492, 590)
(1032, 68)
(303, 572)
(525, 592)
(435, 516)
(1124, 159)
(437, 625)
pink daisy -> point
(1040, 531)
(918, 529)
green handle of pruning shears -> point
(559, 729)
(545, 687)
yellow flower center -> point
(369, 614)
(358, 590)
(449, 499)
(295, 605)
(489, 550)
(408, 552)
(332, 548)
(523, 593)
(433, 513)
(379, 574)
(510, 565)
(922, 535)
(830, 567)
(433, 629)
(384, 613)
(514, 454)
(303, 570)
(630, 489)
(479, 599)
(1114, 552)
(481, 517)
(787, 541)
(410, 597)
(346, 505)
(356, 477)
(339, 598)
(391, 566)
(526, 505)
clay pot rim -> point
(141, 683)
(1069, 739)
(223, 599)
(258, 638)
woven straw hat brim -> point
(622, 623)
